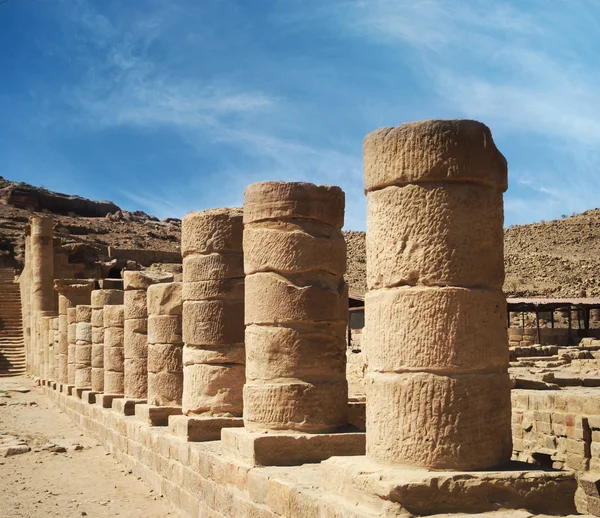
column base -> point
(290, 448)
(421, 492)
(202, 428)
(156, 415)
(89, 396)
(126, 406)
(68, 389)
(80, 390)
(106, 400)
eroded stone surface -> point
(213, 313)
(437, 382)
(165, 345)
(296, 308)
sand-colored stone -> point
(42, 298)
(99, 299)
(72, 341)
(71, 292)
(282, 201)
(437, 382)
(165, 348)
(136, 284)
(449, 247)
(213, 231)
(433, 151)
(114, 335)
(296, 308)
(83, 350)
(441, 330)
(213, 313)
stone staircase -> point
(12, 346)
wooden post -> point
(569, 313)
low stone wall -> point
(201, 479)
(518, 336)
(557, 428)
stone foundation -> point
(203, 480)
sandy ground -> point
(64, 474)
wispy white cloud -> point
(127, 86)
(521, 67)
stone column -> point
(25, 288)
(72, 347)
(114, 322)
(41, 258)
(165, 346)
(213, 313)
(296, 308)
(55, 341)
(71, 292)
(136, 337)
(83, 349)
(296, 312)
(438, 391)
(100, 298)
(45, 356)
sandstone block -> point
(83, 331)
(437, 241)
(198, 267)
(288, 302)
(113, 358)
(83, 313)
(305, 352)
(165, 388)
(429, 151)
(108, 297)
(472, 430)
(214, 289)
(83, 355)
(164, 329)
(114, 316)
(114, 337)
(213, 322)
(113, 382)
(288, 405)
(216, 355)
(165, 299)
(97, 335)
(447, 328)
(210, 231)
(294, 200)
(141, 280)
(221, 389)
(164, 357)
(136, 342)
(136, 378)
(135, 302)
(293, 250)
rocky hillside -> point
(556, 258)
(559, 258)
(110, 226)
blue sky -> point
(173, 106)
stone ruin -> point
(226, 390)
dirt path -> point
(64, 473)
